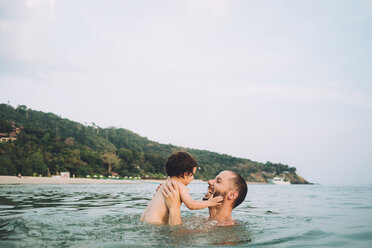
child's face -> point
(189, 177)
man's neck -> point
(221, 213)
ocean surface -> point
(108, 216)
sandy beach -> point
(51, 180)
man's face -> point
(220, 185)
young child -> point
(181, 168)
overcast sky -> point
(279, 81)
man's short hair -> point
(180, 162)
(241, 187)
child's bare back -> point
(156, 212)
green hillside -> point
(46, 144)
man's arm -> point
(172, 200)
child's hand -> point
(215, 201)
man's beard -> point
(219, 193)
(208, 194)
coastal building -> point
(4, 137)
(18, 129)
(11, 136)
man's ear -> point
(232, 195)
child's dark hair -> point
(180, 162)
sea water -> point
(104, 215)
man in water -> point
(230, 185)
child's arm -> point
(193, 205)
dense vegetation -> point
(49, 144)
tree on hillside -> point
(110, 159)
(126, 155)
(59, 144)
(5, 126)
(36, 163)
(157, 162)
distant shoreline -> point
(51, 180)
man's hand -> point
(215, 201)
(171, 195)
(172, 200)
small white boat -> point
(279, 181)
